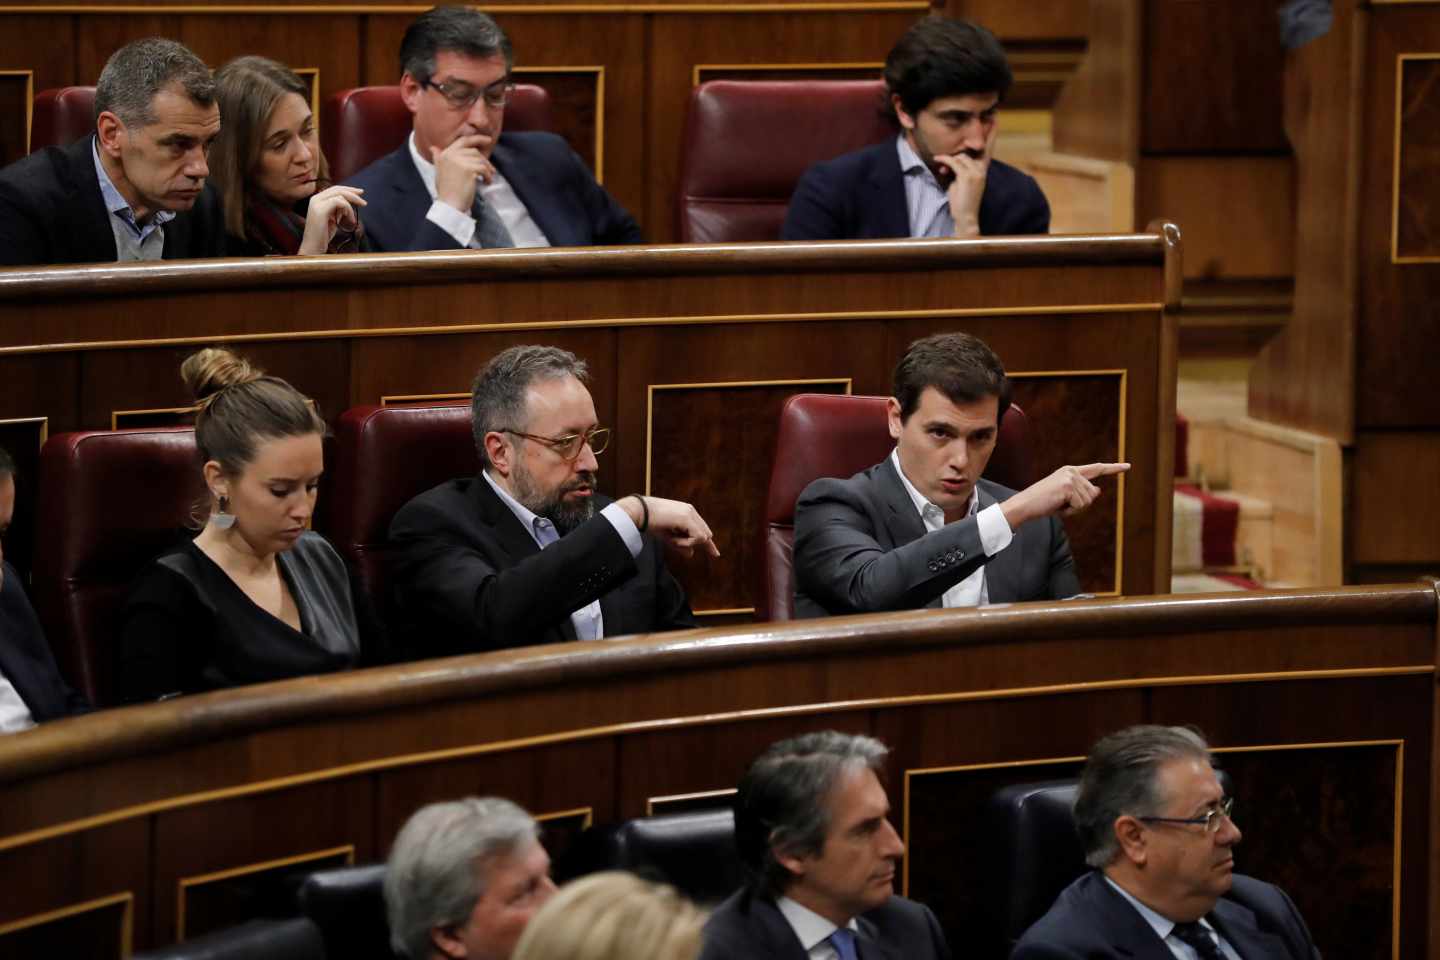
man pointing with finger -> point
(458, 181)
(920, 528)
(945, 79)
(529, 551)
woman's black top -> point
(187, 627)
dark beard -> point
(566, 516)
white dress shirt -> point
(995, 535)
(14, 715)
(588, 622)
(927, 202)
(501, 197)
(1162, 927)
(812, 929)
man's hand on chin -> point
(459, 168)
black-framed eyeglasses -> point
(462, 96)
(571, 445)
(1210, 821)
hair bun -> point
(211, 370)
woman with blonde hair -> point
(267, 165)
(613, 916)
(256, 595)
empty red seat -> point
(61, 115)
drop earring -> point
(222, 518)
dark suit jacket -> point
(469, 576)
(860, 547)
(1090, 921)
(51, 211)
(26, 660)
(749, 926)
(566, 203)
(861, 196)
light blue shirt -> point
(132, 238)
(1163, 925)
(812, 930)
(588, 621)
(925, 200)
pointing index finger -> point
(1092, 470)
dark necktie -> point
(1198, 937)
(843, 940)
(488, 225)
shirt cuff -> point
(630, 533)
(995, 532)
(459, 225)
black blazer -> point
(566, 203)
(861, 196)
(749, 926)
(860, 547)
(51, 211)
(469, 576)
(26, 659)
(1090, 921)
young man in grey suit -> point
(812, 828)
(920, 528)
(1155, 825)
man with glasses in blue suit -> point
(459, 182)
(1155, 824)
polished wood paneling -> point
(250, 775)
(1417, 207)
(1098, 112)
(21, 37)
(15, 100)
(1387, 467)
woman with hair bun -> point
(256, 596)
(613, 916)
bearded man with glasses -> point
(459, 182)
(529, 551)
(1156, 826)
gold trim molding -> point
(599, 71)
(185, 883)
(127, 917)
(29, 76)
(586, 814)
(651, 803)
(1400, 62)
(43, 421)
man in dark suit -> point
(457, 181)
(945, 78)
(1156, 827)
(813, 832)
(920, 528)
(31, 688)
(529, 552)
(136, 189)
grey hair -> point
(136, 72)
(459, 29)
(1120, 778)
(497, 397)
(432, 878)
(781, 804)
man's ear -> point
(444, 940)
(1130, 835)
(906, 120)
(411, 92)
(110, 133)
(892, 413)
(500, 453)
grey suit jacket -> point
(749, 926)
(861, 547)
(1090, 921)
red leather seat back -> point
(61, 115)
(385, 456)
(108, 503)
(824, 435)
(748, 142)
(361, 125)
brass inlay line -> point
(90, 906)
(29, 76)
(680, 723)
(732, 384)
(723, 611)
(117, 415)
(348, 850)
(43, 421)
(586, 813)
(314, 74)
(419, 398)
(1400, 62)
(581, 323)
(651, 802)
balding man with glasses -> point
(529, 551)
(1156, 826)
(459, 182)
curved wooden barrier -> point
(1321, 703)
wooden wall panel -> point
(1417, 141)
(98, 36)
(326, 44)
(1098, 112)
(1387, 467)
(22, 72)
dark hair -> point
(248, 89)
(497, 397)
(1119, 779)
(458, 29)
(781, 803)
(136, 72)
(7, 463)
(960, 366)
(945, 57)
(238, 406)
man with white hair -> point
(463, 879)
